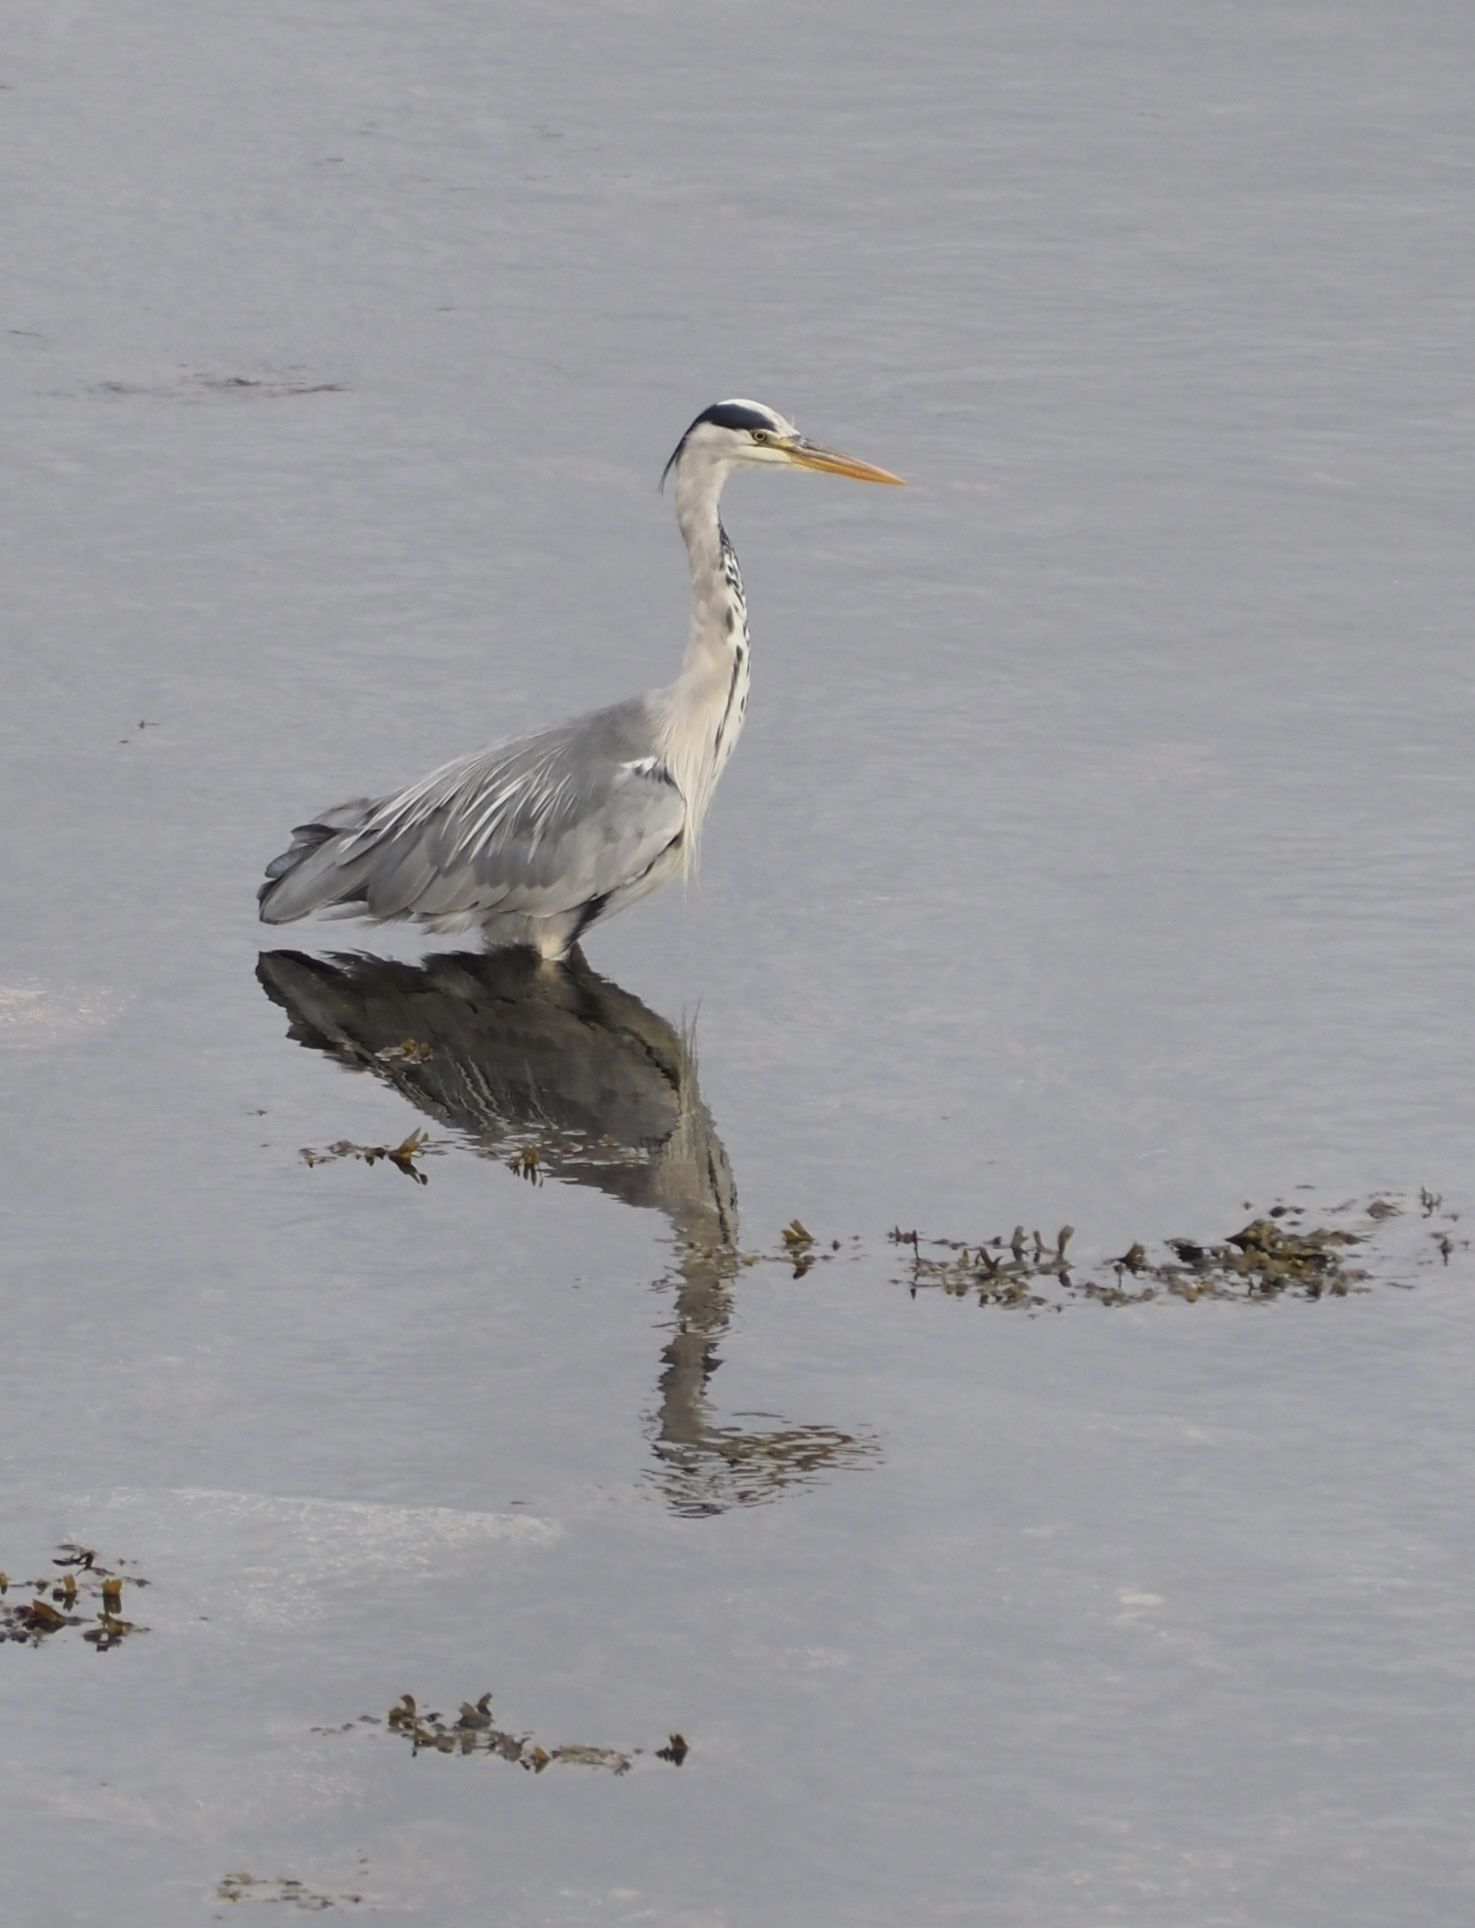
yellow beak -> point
(809, 455)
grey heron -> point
(538, 837)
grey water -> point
(1099, 851)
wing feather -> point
(538, 826)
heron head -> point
(743, 434)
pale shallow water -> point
(1099, 850)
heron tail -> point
(310, 875)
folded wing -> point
(538, 827)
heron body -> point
(539, 837)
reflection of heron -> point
(540, 836)
(499, 1047)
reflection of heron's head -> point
(731, 1467)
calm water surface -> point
(1099, 851)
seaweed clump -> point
(402, 1156)
(475, 1730)
(1278, 1254)
(83, 1595)
(286, 1890)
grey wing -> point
(537, 826)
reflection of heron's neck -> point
(694, 1183)
(695, 1190)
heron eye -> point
(761, 435)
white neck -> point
(702, 712)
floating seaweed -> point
(402, 1156)
(407, 1051)
(285, 1890)
(527, 1162)
(475, 1731)
(1278, 1253)
(57, 1602)
(798, 1246)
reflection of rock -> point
(505, 1048)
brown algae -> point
(474, 1730)
(1278, 1253)
(85, 1596)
